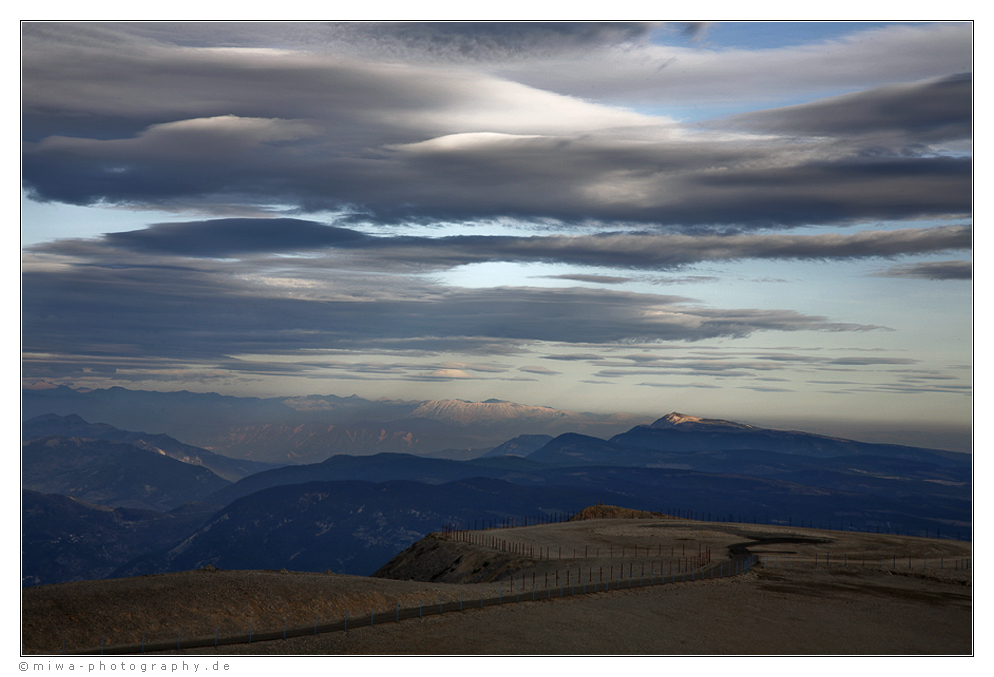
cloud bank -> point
(145, 117)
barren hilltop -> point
(810, 591)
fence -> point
(511, 594)
(533, 551)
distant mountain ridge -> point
(466, 413)
(350, 512)
(680, 433)
(113, 473)
(522, 445)
(48, 425)
(696, 423)
(311, 428)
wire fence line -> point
(488, 539)
(506, 593)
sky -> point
(764, 222)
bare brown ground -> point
(868, 606)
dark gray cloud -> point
(224, 237)
(596, 279)
(142, 118)
(566, 179)
(932, 270)
(490, 41)
(924, 112)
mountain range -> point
(307, 429)
(157, 505)
(113, 474)
(231, 469)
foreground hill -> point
(870, 603)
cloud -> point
(459, 41)
(932, 270)
(760, 366)
(447, 374)
(680, 385)
(538, 369)
(225, 237)
(921, 112)
(317, 121)
(218, 311)
(674, 76)
(640, 250)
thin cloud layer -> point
(190, 314)
(653, 251)
(932, 270)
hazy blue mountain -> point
(353, 513)
(522, 445)
(350, 527)
(825, 498)
(312, 442)
(231, 469)
(113, 473)
(200, 418)
(681, 433)
(574, 449)
(377, 468)
(356, 526)
(64, 539)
